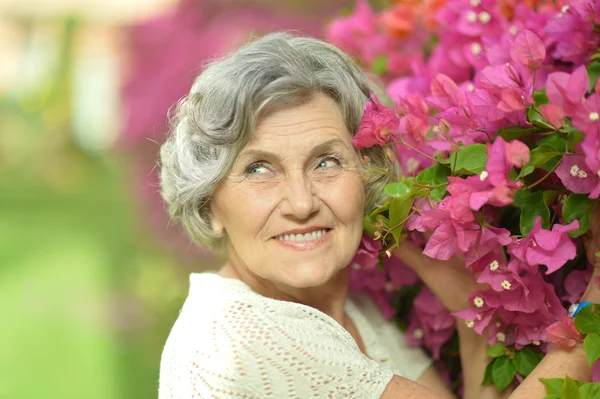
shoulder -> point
(241, 343)
(385, 342)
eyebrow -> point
(255, 153)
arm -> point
(560, 361)
(438, 276)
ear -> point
(215, 223)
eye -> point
(329, 162)
(257, 169)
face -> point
(292, 206)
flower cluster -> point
(496, 126)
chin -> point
(310, 276)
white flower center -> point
(574, 170)
(470, 323)
(389, 287)
(594, 116)
(582, 174)
(471, 87)
(478, 301)
(506, 285)
(564, 8)
(536, 342)
(356, 266)
(501, 336)
(471, 16)
(533, 243)
(475, 48)
(483, 175)
(484, 17)
(494, 265)
(418, 333)
(513, 30)
(412, 164)
(475, 3)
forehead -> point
(310, 123)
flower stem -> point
(545, 176)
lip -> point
(303, 230)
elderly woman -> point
(260, 167)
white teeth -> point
(302, 237)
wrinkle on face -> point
(256, 207)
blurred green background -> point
(92, 275)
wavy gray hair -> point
(218, 117)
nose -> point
(300, 201)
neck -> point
(328, 298)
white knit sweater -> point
(230, 342)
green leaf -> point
(587, 320)
(515, 132)
(593, 70)
(470, 159)
(539, 157)
(397, 190)
(555, 140)
(590, 391)
(540, 97)
(399, 211)
(488, 379)
(434, 175)
(570, 389)
(574, 137)
(554, 386)
(591, 346)
(526, 360)
(380, 65)
(580, 207)
(532, 205)
(496, 350)
(535, 118)
(503, 372)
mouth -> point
(306, 237)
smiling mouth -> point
(313, 235)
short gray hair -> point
(218, 117)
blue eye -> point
(328, 162)
(257, 168)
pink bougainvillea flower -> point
(445, 93)
(587, 119)
(378, 124)
(554, 114)
(571, 32)
(528, 49)
(352, 32)
(414, 117)
(544, 247)
(367, 255)
(451, 239)
(575, 284)
(564, 332)
(577, 177)
(485, 304)
(492, 185)
(432, 325)
(517, 153)
(567, 90)
(596, 371)
(527, 297)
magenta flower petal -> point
(563, 333)
(528, 49)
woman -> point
(260, 166)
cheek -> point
(346, 199)
(245, 213)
